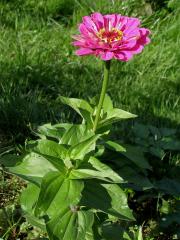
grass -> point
(38, 64)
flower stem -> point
(103, 93)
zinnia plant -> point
(77, 177)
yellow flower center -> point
(113, 35)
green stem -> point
(103, 93)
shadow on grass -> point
(29, 97)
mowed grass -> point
(38, 64)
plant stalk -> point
(103, 93)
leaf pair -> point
(108, 116)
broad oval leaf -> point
(168, 186)
(115, 146)
(113, 116)
(49, 148)
(33, 168)
(57, 192)
(99, 170)
(54, 152)
(109, 198)
(82, 107)
(107, 104)
(114, 231)
(133, 153)
(53, 131)
(105, 169)
(10, 160)
(76, 134)
(118, 201)
(28, 199)
(80, 150)
(136, 155)
(136, 180)
(77, 104)
(71, 225)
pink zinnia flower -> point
(111, 36)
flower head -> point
(111, 36)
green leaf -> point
(107, 104)
(54, 152)
(174, 4)
(83, 148)
(88, 174)
(57, 192)
(136, 155)
(113, 231)
(118, 201)
(141, 131)
(76, 134)
(108, 198)
(82, 107)
(104, 172)
(131, 152)
(33, 168)
(71, 225)
(10, 160)
(165, 207)
(169, 143)
(137, 180)
(115, 146)
(49, 148)
(29, 198)
(77, 104)
(167, 132)
(85, 222)
(130, 172)
(168, 186)
(105, 169)
(156, 151)
(54, 131)
(115, 115)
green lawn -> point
(38, 63)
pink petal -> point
(79, 43)
(98, 20)
(106, 56)
(134, 34)
(143, 39)
(83, 30)
(129, 44)
(144, 31)
(137, 49)
(123, 23)
(118, 21)
(131, 25)
(110, 21)
(124, 56)
(84, 51)
(90, 25)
